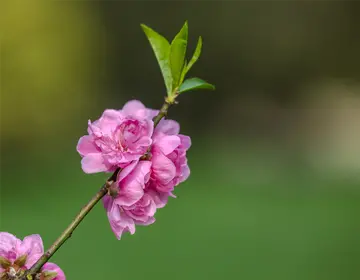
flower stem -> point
(84, 211)
(163, 111)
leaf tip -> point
(145, 28)
(184, 31)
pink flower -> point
(169, 162)
(117, 138)
(134, 204)
(130, 184)
(17, 256)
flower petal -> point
(169, 127)
(93, 163)
(160, 199)
(8, 244)
(144, 141)
(32, 246)
(134, 108)
(132, 105)
(126, 171)
(120, 222)
(93, 129)
(108, 202)
(132, 187)
(167, 143)
(150, 113)
(105, 124)
(185, 141)
(111, 115)
(149, 221)
(163, 168)
(185, 173)
(86, 145)
(151, 208)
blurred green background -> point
(275, 186)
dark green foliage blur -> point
(275, 185)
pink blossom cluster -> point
(17, 255)
(118, 140)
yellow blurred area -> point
(48, 53)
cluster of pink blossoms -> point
(16, 256)
(118, 140)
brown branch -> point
(163, 111)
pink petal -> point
(144, 141)
(54, 268)
(150, 128)
(151, 209)
(185, 141)
(86, 145)
(132, 187)
(108, 121)
(126, 171)
(32, 246)
(185, 173)
(8, 244)
(136, 108)
(142, 169)
(163, 168)
(132, 107)
(150, 113)
(136, 218)
(111, 115)
(120, 222)
(169, 127)
(93, 163)
(167, 143)
(108, 202)
(149, 221)
(127, 157)
(105, 124)
(94, 129)
(160, 199)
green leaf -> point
(193, 84)
(161, 48)
(183, 73)
(177, 54)
(196, 55)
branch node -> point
(112, 189)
